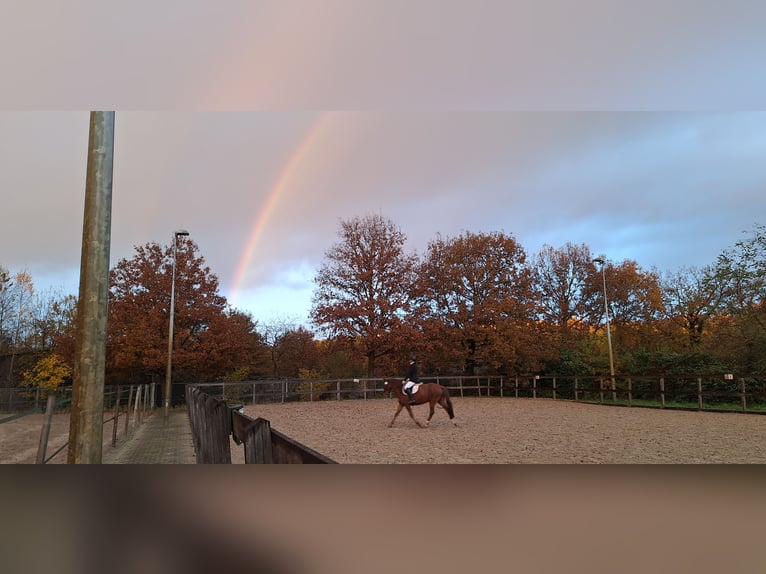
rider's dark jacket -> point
(412, 373)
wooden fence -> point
(696, 392)
(700, 392)
(131, 403)
(214, 423)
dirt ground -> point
(489, 431)
(503, 430)
(20, 438)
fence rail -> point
(213, 421)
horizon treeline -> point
(474, 303)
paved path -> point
(155, 442)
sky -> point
(259, 128)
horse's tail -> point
(448, 405)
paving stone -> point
(156, 442)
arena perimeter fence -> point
(130, 402)
(216, 409)
(213, 421)
(724, 392)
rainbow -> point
(269, 204)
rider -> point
(412, 378)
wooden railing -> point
(214, 423)
(264, 445)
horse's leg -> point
(412, 416)
(447, 406)
(396, 414)
(431, 406)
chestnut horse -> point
(431, 393)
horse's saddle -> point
(414, 388)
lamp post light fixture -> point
(168, 372)
(601, 261)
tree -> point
(477, 295)
(568, 291)
(48, 374)
(635, 302)
(690, 302)
(208, 338)
(739, 274)
(6, 308)
(16, 297)
(290, 348)
(52, 314)
(570, 304)
(363, 288)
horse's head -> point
(390, 385)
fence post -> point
(601, 390)
(554, 388)
(127, 409)
(116, 417)
(135, 404)
(744, 399)
(45, 432)
(534, 386)
(630, 392)
(258, 449)
(337, 389)
(614, 390)
(577, 398)
(662, 392)
(699, 393)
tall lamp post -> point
(601, 261)
(168, 371)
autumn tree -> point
(209, 339)
(48, 373)
(740, 276)
(568, 297)
(363, 288)
(6, 308)
(563, 283)
(52, 314)
(477, 291)
(17, 296)
(689, 302)
(290, 348)
(635, 301)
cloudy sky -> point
(260, 127)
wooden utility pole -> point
(86, 420)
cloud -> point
(444, 118)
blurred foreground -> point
(310, 519)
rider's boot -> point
(409, 394)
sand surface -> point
(506, 430)
(489, 431)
